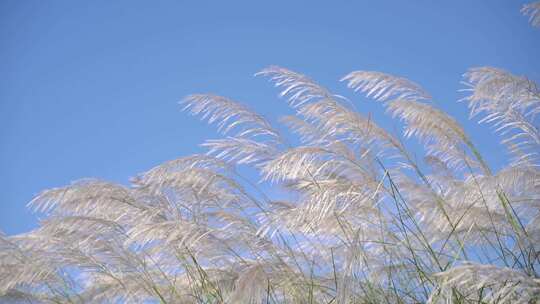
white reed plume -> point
(511, 104)
(533, 11)
(383, 87)
(339, 218)
(486, 284)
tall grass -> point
(363, 221)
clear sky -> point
(90, 88)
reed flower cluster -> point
(363, 220)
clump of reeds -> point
(362, 221)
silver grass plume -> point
(533, 11)
(255, 140)
(345, 221)
(485, 283)
(228, 115)
(383, 87)
(511, 104)
(443, 136)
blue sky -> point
(90, 88)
